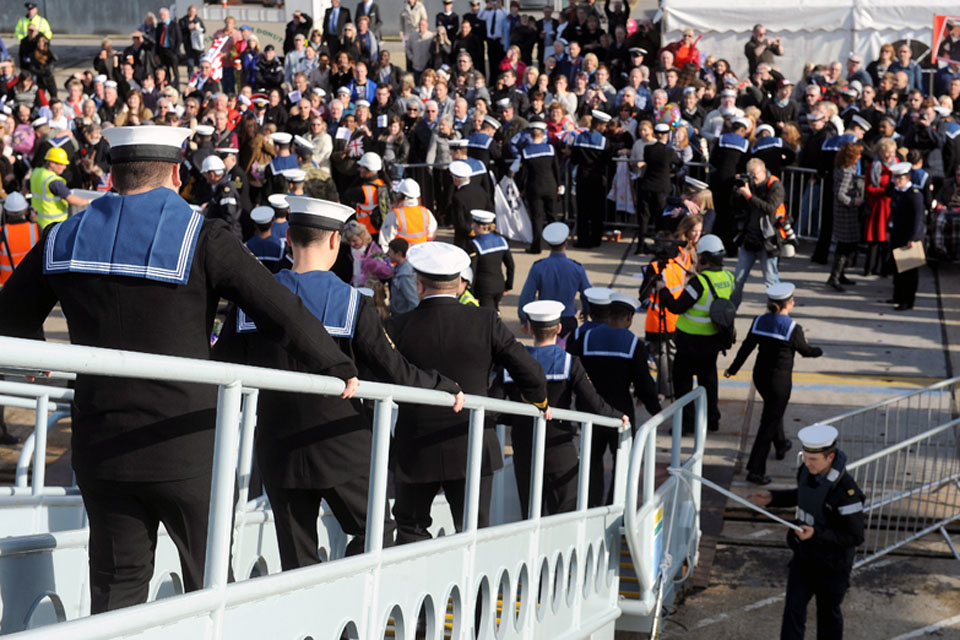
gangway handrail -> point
(894, 400)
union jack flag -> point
(355, 148)
(214, 57)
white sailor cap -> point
(901, 168)
(227, 150)
(467, 274)
(438, 260)
(317, 213)
(598, 295)
(542, 126)
(361, 103)
(856, 84)
(602, 116)
(941, 110)
(303, 142)
(728, 93)
(100, 78)
(483, 217)
(696, 184)
(624, 299)
(555, 233)
(205, 130)
(458, 144)
(261, 101)
(365, 291)
(493, 122)
(662, 127)
(262, 215)
(638, 51)
(244, 100)
(504, 103)
(110, 84)
(294, 175)
(861, 122)
(849, 91)
(767, 128)
(280, 137)
(15, 203)
(278, 201)
(460, 169)
(781, 291)
(39, 122)
(409, 188)
(544, 312)
(150, 143)
(746, 122)
(320, 92)
(818, 438)
(814, 116)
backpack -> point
(723, 313)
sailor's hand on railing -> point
(350, 388)
(41, 374)
(624, 421)
(807, 532)
(760, 498)
(548, 414)
(458, 402)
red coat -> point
(682, 54)
(879, 202)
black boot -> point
(839, 262)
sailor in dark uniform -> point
(728, 158)
(479, 173)
(772, 151)
(591, 157)
(490, 257)
(556, 277)
(265, 245)
(241, 182)
(539, 181)
(778, 337)
(310, 447)
(481, 145)
(598, 299)
(566, 379)
(615, 358)
(464, 343)
(143, 272)
(949, 130)
(224, 203)
(283, 161)
(905, 229)
(281, 211)
(465, 196)
(830, 510)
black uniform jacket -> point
(661, 162)
(539, 171)
(470, 196)
(779, 338)
(312, 441)
(464, 343)
(143, 430)
(489, 257)
(906, 215)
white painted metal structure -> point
(543, 577)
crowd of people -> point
(577, 108)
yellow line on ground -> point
(849, 379)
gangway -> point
(540, 577)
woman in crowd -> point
(847, 199)
(134, 112)
(563, 97)
(392, 144)
(370, 264)
(878, 203)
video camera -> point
(664, 249)
(741, 180)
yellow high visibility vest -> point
(696, 320)
(50, 207)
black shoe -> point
(846, 280)
(903, 307)
(832, 282)
(890, 301)
(533, 251)
(9, 438)
(782, 451)
(818, 259)
(713, 427)
(756, 478)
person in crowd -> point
(490, 260)
(876, 183)
(403, 282)
(760, 215)
(761, 49)
(848, 199)
(905, 63)
(556, 277)
(906, 230)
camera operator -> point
(758, 202)
(761, 49)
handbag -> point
(196, 39)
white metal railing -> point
(568, 555)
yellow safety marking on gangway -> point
(848, 379)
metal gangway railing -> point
(906, 458)
(541, 577)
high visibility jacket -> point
(50, 208)
(20, 31)
(696, 320)
(468, 298)
(369, 204)
(673, 278)
(781, 213)
(20, 238)
(413, 223)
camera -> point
(741, 180)
(664, 249)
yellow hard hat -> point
(58, 155)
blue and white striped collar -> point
(329, 299)
(774, 325)
(490, 243)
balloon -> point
(631, 27)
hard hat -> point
(467, 274)
(710, 244)
(15, 203)
(213, 163)
(56, 154)
(370, 161)
(409, 188)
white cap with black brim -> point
(317, 213)
(145, 143)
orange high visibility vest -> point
(368, 205)
(673, 277)
(21, 237)
(413, 223)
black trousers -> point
(603, 440)
(295, 513)
(697, 356)
(461, 239)
(805, 582)
(651, 205)
(775, 391)
(905, 285)
(124, 517)
(822, 250)
(171, 62)
(567, 325)
(495, 55)
(541, 209)
(559, 481)
(590, 209)
(411, 507)
(491, 300)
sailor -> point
(224, 203)
(311, 447)
(698, 338)
(539, 181)
(556, 277)
(615, 358)
(830, 509)
(281, 210)
(241, 182)
(566, 380)
(370, 198)
(778, 337)
(489, 257)
(464, 295)
(283, 160)
(464, 198)
(905, 229)
(590, 158)
(318, 182)
(267, 247)
(770, 148)
(197, 189)
(409, 220)
(728, 158)
(296, 179)
(52, 198)
(481, 145)
(598, 299)
(141, 271)
(464, 343)
(18, 234)
(479, 173)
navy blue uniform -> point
(559, 278)
(490, 257)
(591, 157)
(729, 157)
(267, 250)
(906, 225)
(538, 180)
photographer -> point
(758, 201)
(761, 49)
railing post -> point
(217, 563)
(380, 452)
(623, 466)
(471, 503)
(40, 445)
(677, 439)
(586, 450)
(536, 469)
(247, 431)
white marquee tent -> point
(817, 31)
